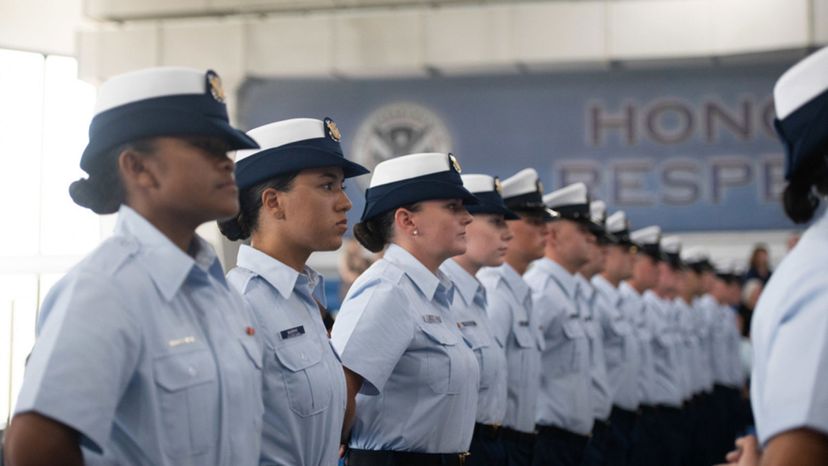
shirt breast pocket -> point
(187, 400)
(306, 382)
(442, 360)
(574, 346)
(483, 348)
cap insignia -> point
(455, 163)
(214, 84)
(333, 130)
(498, 186)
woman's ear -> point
(137, 170)
(405, 221)
(273, 202)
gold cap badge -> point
(214, 83)
(333, 130)
(540, 186)
(455, 163)
(498, 186)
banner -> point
(687, 149)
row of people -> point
(528, 329)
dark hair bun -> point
(234, 228)
(800, 202)
(369, 236)
(93, 194)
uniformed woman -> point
(790, 324)
(487, 238)
(144, 355)
(293, 203)
(396, 333)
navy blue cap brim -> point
(804, 133)
(491, 203)
(116, 127)
(291, 159)
(383, 198)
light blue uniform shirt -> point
(667, 384)
(304, 384)
(634, 307)
(690, 344)
(146, 352)
(790, 341)
(601, 394)
(514, 323)
(397, 331)
(469, 307)
(565, 395)
(733, 344)
(705, 306)
(719, 341)
(620, 345)
(704, 355)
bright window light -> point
(44, 121)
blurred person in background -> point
(790, 326)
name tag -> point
(292, 332)
(523, 323)
(468, 323)
(432, 319)
(181, 341)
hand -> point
(745, 454)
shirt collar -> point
(602, 285)
(515, 282)
(432, 285)
(155, 248)
(468, 287)
(282, 277)
(564, 278)
(584, 287)
(629, 291)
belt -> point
(623, 413)
(489, 431)
(600, 426)
(558, 432)
(404, 458)
(517, 436)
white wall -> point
(47, 26)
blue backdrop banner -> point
(688, 149)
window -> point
(43, 129)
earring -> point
(416, 232)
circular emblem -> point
(498, 186)
(333, 131)
(214, 84)
(396, 129)
(454, 163)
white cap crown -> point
(573, 194)
(522, 182)
(801, 83)
(410, 166)
(646, 235)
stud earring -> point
(416, 232)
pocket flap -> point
(523, 333)
(573, 329)
(439, 333)
(299, 355)
(175, 372)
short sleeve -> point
(371, 332)
(83, 359)
(794, 393)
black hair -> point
(375, 233)
(799, 197)
(250, 202)
(103, 192)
